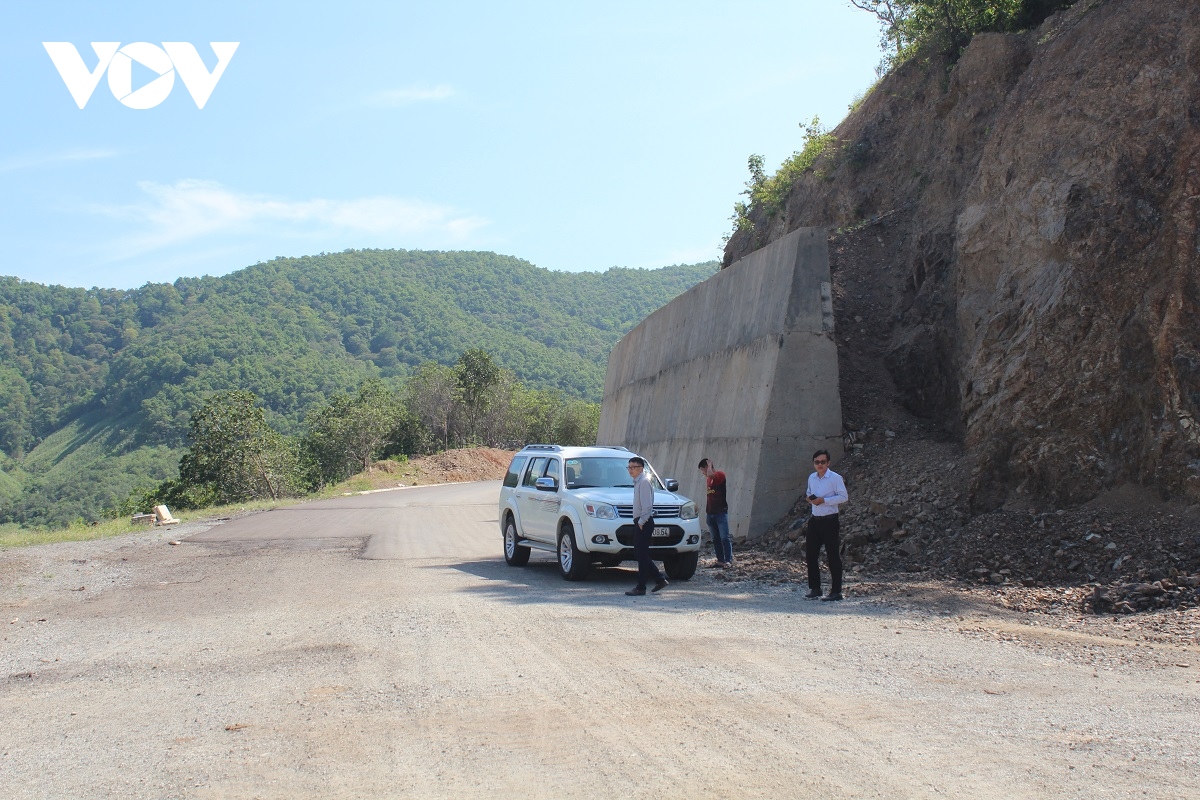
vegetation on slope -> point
(910, 29)
(235, 456)
(97, 386)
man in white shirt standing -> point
(643, 520)
(826, 491)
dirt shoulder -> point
(450, 466)
(1038, 611)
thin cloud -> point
(34, 160)
(395, 98)
(192, 209)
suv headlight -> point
(600, 510)
(688, 510)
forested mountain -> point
(96, 386)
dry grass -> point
(16, 536)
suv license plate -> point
(660, 531)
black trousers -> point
(824, 531)
(647, 569)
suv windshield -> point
(591, 473)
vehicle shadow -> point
(539, 582)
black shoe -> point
(637, 591)
(661, 584)
(813, 595)
(833, 596)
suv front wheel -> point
(572, 562)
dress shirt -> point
(643, 499)
(831, 489)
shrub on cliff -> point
(946, 26)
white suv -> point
(578, 502)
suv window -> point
(552, 471)
(514, 471)
(592, 472)
(535, 471)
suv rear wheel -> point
(574, 564)
(514, 554)
(681, 567)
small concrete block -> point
(163, 516)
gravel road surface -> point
(378, 646)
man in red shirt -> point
(718, 513)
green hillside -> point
(86, 466)
(96, 386)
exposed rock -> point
(1019, 245)
(1016, 258)
(1131, 597)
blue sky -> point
(577, 136)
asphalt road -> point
(267, 657)
(457, 520)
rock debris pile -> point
(1124, 552)
(1127, 598)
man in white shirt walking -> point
(826, 491)
(643, 520)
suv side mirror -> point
(672, 485)
(546, 484)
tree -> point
(16, 418)
(502, 424)
(430, 396)
(475, 375)
(948, 25)
(345, 435)
(891, 15)
(476, 372)
(236, 454)
(577, 423)
(536, 409)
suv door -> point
(528, 498)
(551, 502)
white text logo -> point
(172, 57)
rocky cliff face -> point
(1033, 275)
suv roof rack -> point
(554, 448)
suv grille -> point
(660, 512)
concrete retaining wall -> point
(741, 369)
